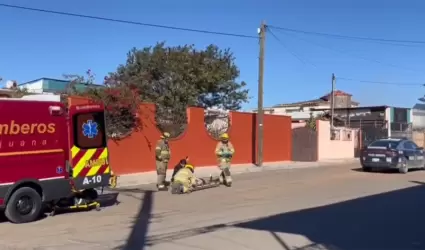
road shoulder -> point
(205, 171)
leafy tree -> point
(121, 103)
(311, 122)
(18, 92)
(180, 76)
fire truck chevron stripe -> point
(92, 161)
(95, 169)
(74, 151)
(86, 168)
(107, 170)
(103, 169)
(82, 162)
(77, 157)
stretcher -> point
(201, 185)
(81, 199)
(206, 185)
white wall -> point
(294, 111)
(33, 87)
(418, 119)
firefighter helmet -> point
(190, 166)
(224, 136)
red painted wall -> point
(136, 153)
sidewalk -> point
(205, 171)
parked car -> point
(392, 153)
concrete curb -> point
(205, 171)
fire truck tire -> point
(24, 205)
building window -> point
(400, 115)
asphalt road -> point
(332, 207)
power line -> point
(399, 42)
(382, 82)
(127, 22)
(355, 56)
(290, 51)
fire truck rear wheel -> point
(24, 205)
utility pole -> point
(260, 110)
(332, 102)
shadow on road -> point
(134, 192)
(392, 220)
(137, 238)
(374, 171)
(168, 237)
(383, 171)
(3, 218)
(107, 200)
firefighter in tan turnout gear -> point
(163, 155)
(224, 152)
(184, 181)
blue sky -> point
(35, 45)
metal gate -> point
(370, 134)
(402, 129)
(304, 144)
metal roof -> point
(44, 78)
(419, 106)
(354, 108)
(315, 102)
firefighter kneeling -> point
(185, 181)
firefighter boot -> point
(221, 178)
(161, 187)
(161, 183)
(228, 177)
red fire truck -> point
(50, 155)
